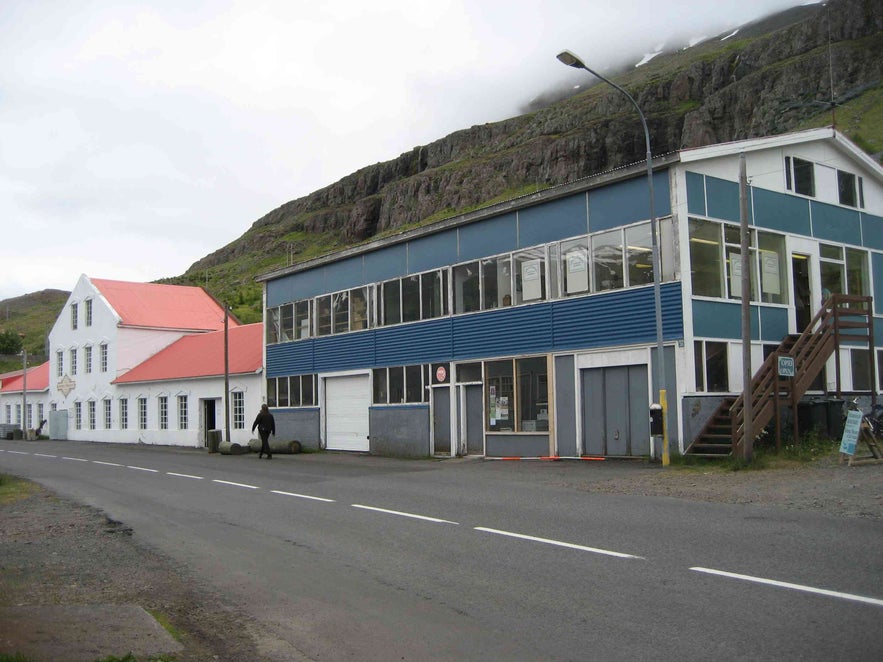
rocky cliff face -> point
(766, 80)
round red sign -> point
(441, 374)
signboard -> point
(440, 373)
(786, 366)
(850, 432)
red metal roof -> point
(202, 355)
(163, 306)
(38, 380)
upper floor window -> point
(103, 356)
(800, 176)
(59, 363)
(850, 189)
(74, 361)
(88, 312)
(74, 316)
(87, 359)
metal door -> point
(615, 411)
(473, 417)
(441, 420)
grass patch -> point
(12, 489)
(15, 657)
(163, 620)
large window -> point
(124, 414)
(78, 415)
(183, 414)
(800, 176)
(238, 410)
(530, 275)
(705, 258)
(74, 361)
(163, 412)
(75, 319)
(467, 288)
(844, 271)
(517, 393)
(59, 363)
(850, 189)
(401, 384)
(639, 254)
(608, 272)
(88, 312)
(323, 315)
(293, 391)
(142, 413)
(575, 266)
(107, 413)
(103, 356)
(712, 367)
(87, 359)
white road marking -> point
(18, 452)
(227, 482)
(44, 455)
(172, 473)
(795, 587)
(302, 496)
(559, 543)
(401, 514)
(107, 464)
(153, 471)
(74, 459)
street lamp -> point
(571, 60)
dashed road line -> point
(402, 514)
(74, 459)
(302, 496)
(44, 455)
(227, 482)
(107, 464)
(559, 543)
(172, 473)
(153, 471)
(795, 587)
(18, 452)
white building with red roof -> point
(144, 363)
(35, 400)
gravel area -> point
(56, 552)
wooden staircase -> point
(842, 318)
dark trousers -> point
(265, 443)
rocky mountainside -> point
(770, 77)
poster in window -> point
(735, 262)
(577, 272)
(532, 285)
(770, 272)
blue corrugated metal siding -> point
(723, 199)
(424, 342)
(344, 352)
(386, 263)
(628, 202)
(696, 194)
(432, 252)
(554, 220)
(835, 223)
(617, 318)
(490, 237)
(777, 211)
(293, 358)
(522, 330)
(614, 318)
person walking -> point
(266, 425)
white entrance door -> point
(346, 413)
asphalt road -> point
(362, 558)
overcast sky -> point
(137, 137)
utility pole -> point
(226, 373)
(24, 388)
(747, 405)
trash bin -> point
(214, 440)
(17, 434)
(812, 415)
(836, 417)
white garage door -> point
(346, 413)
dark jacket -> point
(264, 423)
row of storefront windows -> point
(603, 261)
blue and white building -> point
(528, 328)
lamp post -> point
(571, 60)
